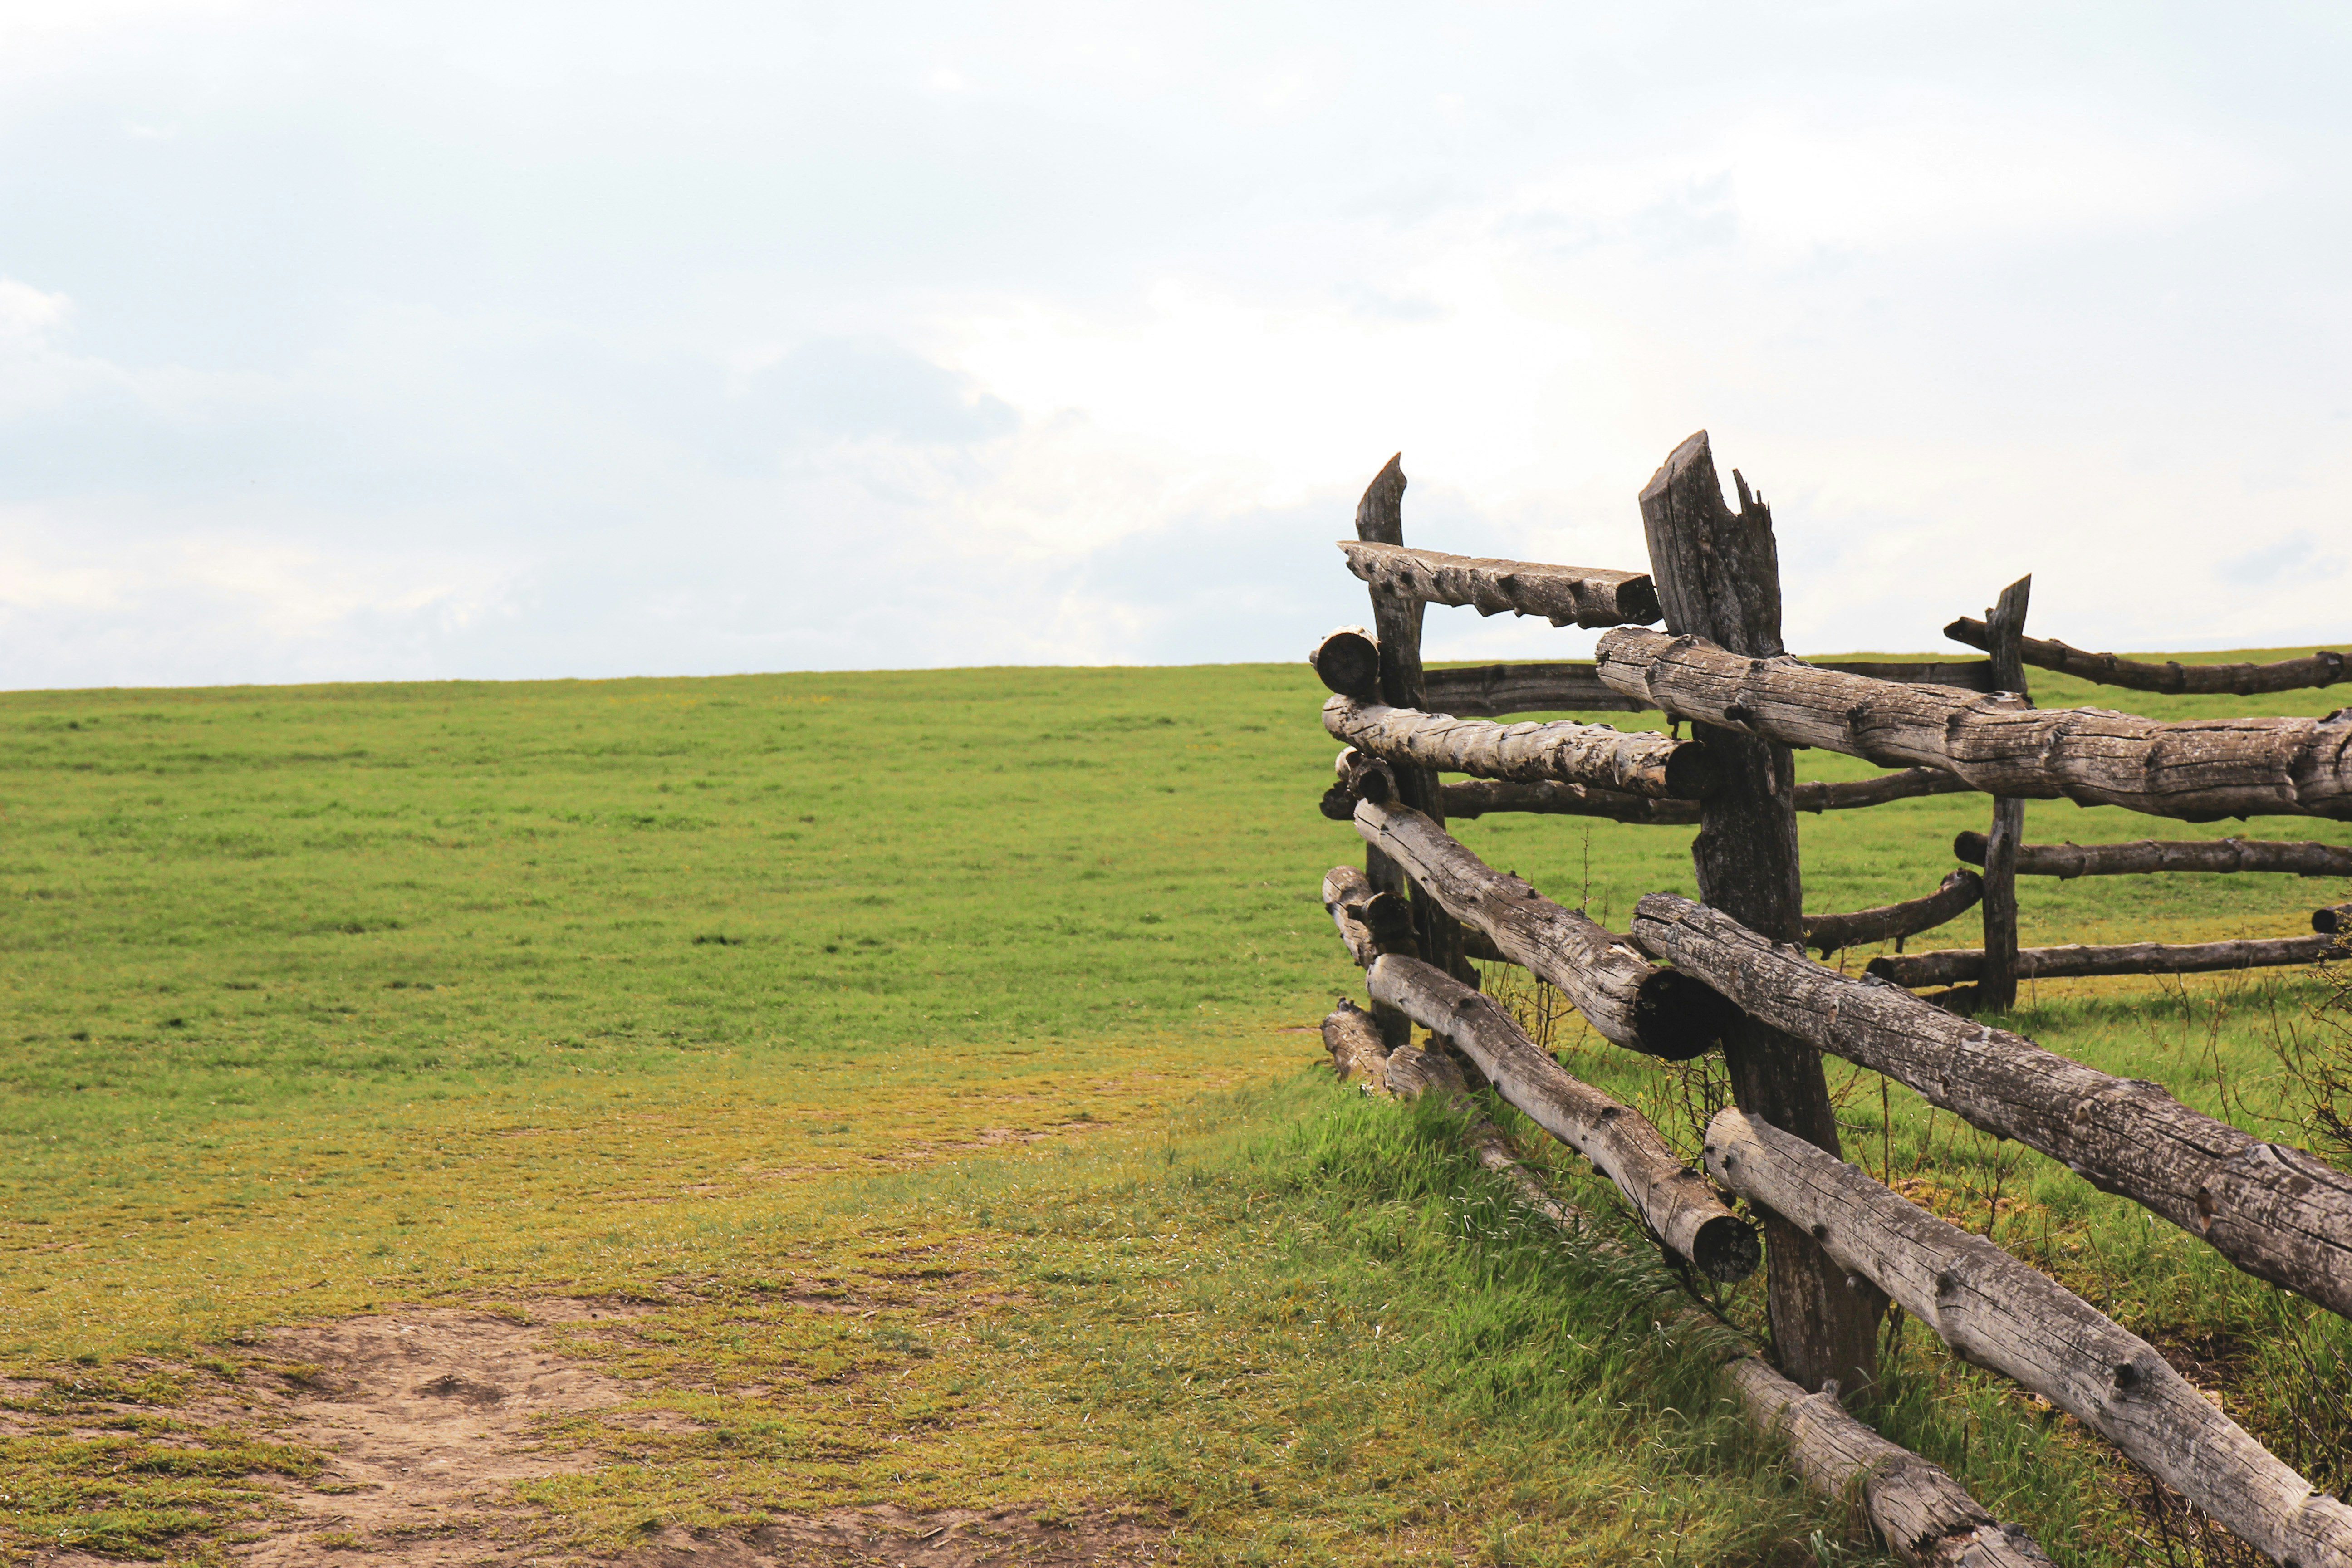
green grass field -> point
(977, 995)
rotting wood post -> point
(1997, 991)
(1396, 622)
(1718, 576)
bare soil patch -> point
(426, 1416)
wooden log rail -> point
(1476, 798)
(2274, 1211)
(2324, 668)
(2001, 1313)
(1927, 1519)
(1673, 1199)
(1960, 892)
(2199, 771)
(2146, 855)
(1628, 999)
(1482, 691)
(1960, 965)
(1564, 595)
(1570, 686)
(1644, 763)
(2335, 919)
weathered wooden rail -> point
(1926, 1518)
(1736, 974)
(2322, 669)
(2200, 770)
(1964, 965)
(2001, 1313)
(2146, 857)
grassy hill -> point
(705, 993)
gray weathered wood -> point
(1412, 1070)
(2274, 1211)
(1412, 740)
(1959, 891)
(1481, 691)
(2201, 770)
(1954, 965)
(1564, 595)
(2146, 855)
(1967, 674)
(1360, 777)
(1925, 1518)
(1348, 660)
(1573, 686)
(1396, 624)
(1673, 1199)
(1476, 797)
(1999, 1313)
(1357, 1053)
(1628, 999)
(1997, 990)
(2335, 919)
(2322, 669)
(1371, 923)
(1718, 578)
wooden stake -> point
(1997, 991)
(1717, 574)
(1396, 622)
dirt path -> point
(426, 1418)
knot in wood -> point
(2129, 1378)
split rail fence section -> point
(1730, 973)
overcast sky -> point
(370, 342)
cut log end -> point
(2334, 920)
(1680, 1017)
(1726, 1249)
(1349, 662)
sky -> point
(499, 340)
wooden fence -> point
(1731, 971)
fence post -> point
(1396, 621)
(1997, 991)
(1719, 577)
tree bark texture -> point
(2145, 856)
(1396, 624)
(1357, 1053)
(1476, 797)
(1830, 933)
(1718, 578)
(1348, 660)
(1926, 1517)
(1673, 1199)
(1412, 1070)
(2335, 919)
(1371, 924)
(2201, 770)
(1483, 690)
(1564, 595)
(1997, 990)
(1486, 690)
(2322, 669)
(2274, 1211)
(1628, 999)
(1954, 965)
(1413, 742)
(1360, 777)
(1999, 1313)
